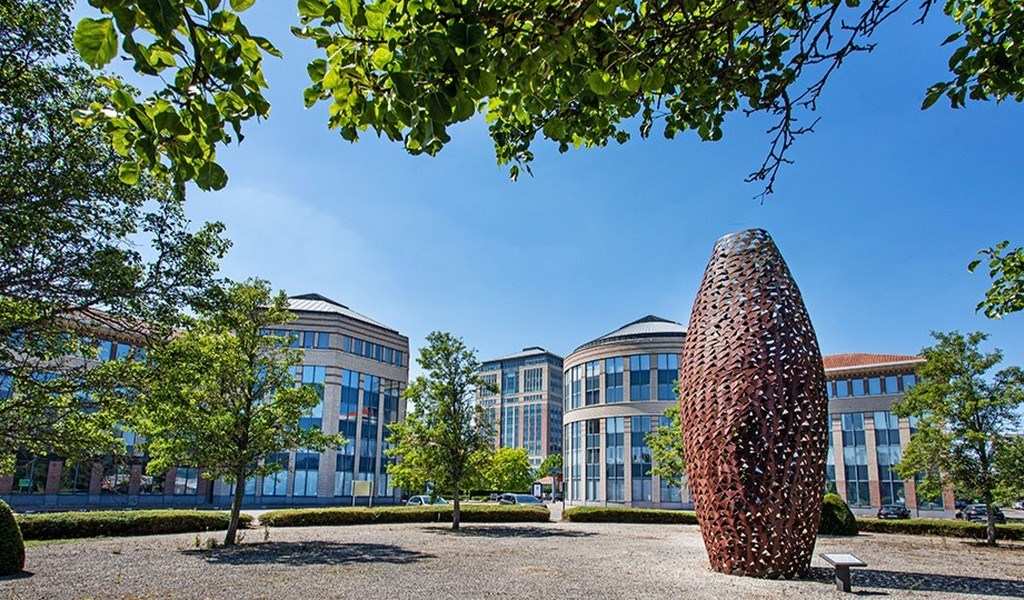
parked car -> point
(524, 499)
(893, 511)
(1019, 505)
(977, 514)
(424, 500)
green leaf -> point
(381, 57)
(933, 94)
(312, 9)
(438, 106)
(240, 5)
(211, 177)
(128, 173)
(96, 41)
(600, 82)
(164, 16)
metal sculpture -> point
(754, 412)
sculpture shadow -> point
(500, 531)
(16, 576)
(309, 553)
(927, 582)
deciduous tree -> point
(964, 416)
(73, 239)
(509, 470)
(221, 395)
(445, 438)
(666, 444)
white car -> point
(424, 500)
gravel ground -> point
(557, 560)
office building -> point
(524, 402)
(358, 365)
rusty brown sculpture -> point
(754, 412)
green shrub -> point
(619, 514)
(471, 513)
(940, 527)
(12, 546)
(836, 517)
(60, 525)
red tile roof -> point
(859, 359)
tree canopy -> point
(445, 437)
(965, 416)
(509, 470)
(666, 444)
(83, 255)
(221, 395)
(577, 72)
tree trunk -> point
(236, 508)
(456, 514)
(990, 530)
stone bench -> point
(842, 563)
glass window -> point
(115, 477)
(668, 372)
(592, 391)
(75, 478)
(892, 385)
(398, 357)
(152, 484)
(613, 379)
(346, 343)
(510, 427)
(533, 380)
(323, 340)
(640, 457)
(296, 338)
(122, 351)
(186, 481)
(276, 484)
(639, 377)
(615, 463)
(858, 387)
(842, 388)
(576, 379)
(856, 460)
(875, 386)
(106, 350)
(909, 381)
(593, 459)
(307, 473)
(510, 381)
(308, 339)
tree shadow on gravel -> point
(926, 582)
(309, 553)
(508, 532)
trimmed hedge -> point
(836, 517)
(361, 515)
(620, 514)
(940, 527)
(12, 546)
(61, 525)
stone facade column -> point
(53, 475)
(871, 449)
(909, 485)
(96, 479)
(135, 480)
(837, 453)
(602, 491)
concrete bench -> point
(842, 563)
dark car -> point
(893, 511)
(977, 513)
(524, 499)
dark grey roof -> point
(650, 326)
(531, 351)
(323, 304)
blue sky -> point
(877, 219)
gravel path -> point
(556, 560)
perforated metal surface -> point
(754, 412)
